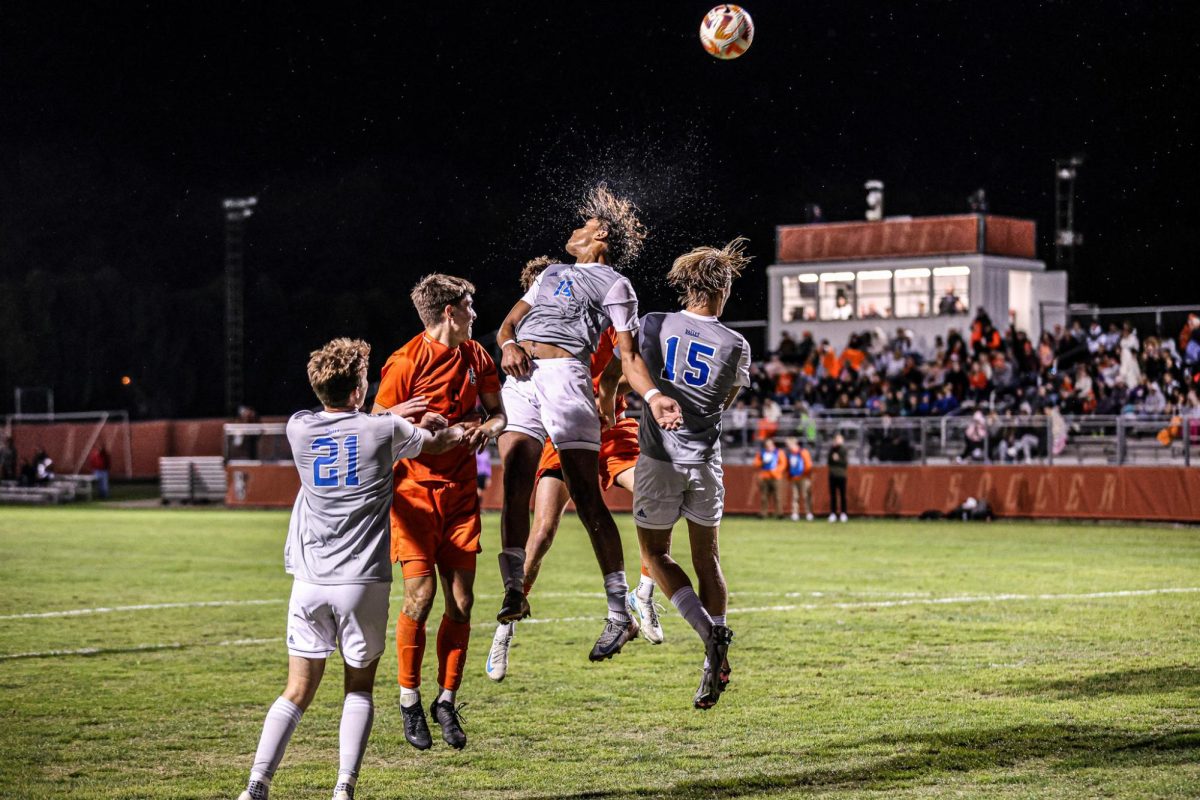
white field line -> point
(928, 601)
(83, 612)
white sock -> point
(692, 610)
(447, 696)
(616, 588)
(512, 567)
(718, 619)
(645, 587)
(281, 721)
(358, 712)
(409, 697)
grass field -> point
(872, 659)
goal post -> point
(86, 429)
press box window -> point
(875, 294)
(951, 290)
(799, 298)
(837, 295)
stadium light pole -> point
(1065, 237)
(237, 210)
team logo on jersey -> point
(471, 375)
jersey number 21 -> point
(325, 469)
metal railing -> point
(1037, 439)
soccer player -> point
(618, 457)
(337, 550)
(547, 340)
(702, 365)
(435, 508)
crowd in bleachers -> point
(981, 372)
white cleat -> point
(647, 612)
(833, 517)
(795, 517)
(808, 517)
(497, 660)
(844, 518)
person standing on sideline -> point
(337, 552)
(100, 462)
(769, 461)
(837, 478)
(799, 462)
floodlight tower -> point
(1065, 237)
(237, 210)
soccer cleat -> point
(723, 676)
(449, 716)
(715, 651)
(256, 790)
(808, 517)
(343, 791)
(833, 517)
(416, 729)
(613, 638)
(795, 517)
(843, 518)
(647, 611)
(497, 660)
(514, 607)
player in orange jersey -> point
(435, 506)
(618, 457)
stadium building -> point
(837, 279)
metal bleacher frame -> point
(192, 479)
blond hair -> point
(705, 273)
(533, 268)
(434, 292)
(626, 233)
(337, 369)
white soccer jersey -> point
(340, 529)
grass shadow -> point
(920, 757)
(1128, 682)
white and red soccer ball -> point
(727, 31)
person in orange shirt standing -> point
(799, 470)
(435, 505)
(771, 464)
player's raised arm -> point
(665, 410)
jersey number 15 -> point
(697, 369)
(325, 469)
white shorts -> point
(557, 401)
(354, 615)
(664, 491)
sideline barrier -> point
(1165, 494)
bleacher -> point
(59, 490)
(192, 479)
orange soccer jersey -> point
(435, 506)
(619, 444)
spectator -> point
(100, 463)
(771, 464)
(768, 423)
(950, 304)
(1131, 373)
(483, 471)
(8, 460)
(836, 463)
(44, 466)
(800, 478)
(842, 308)
(787, 348)
(739, 421)
(976, 435)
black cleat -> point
(514, 607)
(416, 729)
(613, 638)
(716, 651)
(724, 675)
(449, 716)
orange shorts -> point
(435, 525)
(618, 452)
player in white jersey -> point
(338, 552)
(547, 339)
(703, 365)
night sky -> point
(385, 144)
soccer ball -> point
(727, 31)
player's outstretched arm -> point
(444, 440)
(666, 411)
(479, 435)
(513, 359)
(411, 409)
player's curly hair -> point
(706, 272)
(626, 233)
(337, 369)
(434, 292)
(533, 268)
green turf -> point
(847, 682)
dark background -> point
(385, 144)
